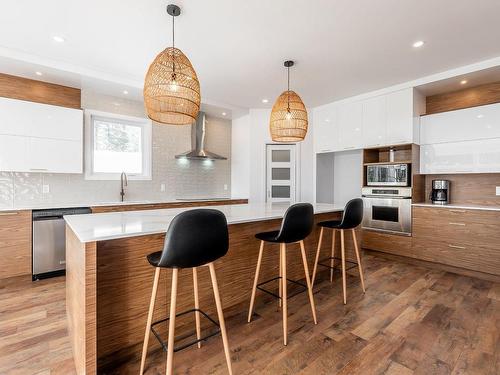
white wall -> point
(250, 135)
(347, 176)
(240, 157)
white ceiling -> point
(341, 47)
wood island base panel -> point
(109, 286)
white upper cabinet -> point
(374, 121)
(400, 117)
(326, 132)
(350, 122)
(462, 125)
(40, 137)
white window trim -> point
(146, 125)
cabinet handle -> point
(460, 224)
(38, 169)
(459, 211)
(326, 150)
(9, 213)
(349, 148)
(457, 247)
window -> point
(116, 144)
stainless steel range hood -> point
(198, 151)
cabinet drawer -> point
(465, 226)
(387, 243)
(15, 243)
(458, 254)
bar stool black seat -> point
(297, 224)
(351, 218)
(194, 238)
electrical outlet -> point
(162, 187)
(225, 187)
(45, 189)
(498, 190)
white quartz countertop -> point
(51, 205)
(113, 225)
(458, 206)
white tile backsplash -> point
(182, 179)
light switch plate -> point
(162, 187)
(498, 190)
(45, 189)
(225, 186)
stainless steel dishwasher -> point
(49, 241)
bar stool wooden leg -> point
(284, 302)
(255, 281)
(316, 260)
(280, 284)
(150, 319)
(196, 305)
(221, 317)
(360, 267)
(342, 249)
(334, 232)
(308, 282)
(171, 323)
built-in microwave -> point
(388, 175)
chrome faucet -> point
(123, 183)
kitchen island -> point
(109, 281)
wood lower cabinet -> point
(15, 243)
(465, 239)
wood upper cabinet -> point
(15, 243)
(462, 238)
(326, 132)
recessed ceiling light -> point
(418, 44)
(58, 39)
(265, 100)
(224, 113)
(480, 116)
(463, 82)
(125, 92)
(39, 73)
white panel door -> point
(326, 132)
(281, 173)
(479, 156)
(462, 125)
(13, 153)
(374, 121)
(18, 117)
(400, 117)
(54, 155)
(350, 119)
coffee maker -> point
(440, 193)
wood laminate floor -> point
(412, 320)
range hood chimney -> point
(198, 151)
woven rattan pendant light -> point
(171, 87)
(288, 121)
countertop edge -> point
(457, 206)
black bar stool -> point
(351, 218)
(297, 224)
(194, 238)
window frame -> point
(144, 123)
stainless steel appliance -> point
(49, 241)
(388, 175)
(387, 209)
(440, 193)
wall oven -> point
(388, 175)
(387, 209)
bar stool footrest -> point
(338, 266)
(278, 278)
(184, 346)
